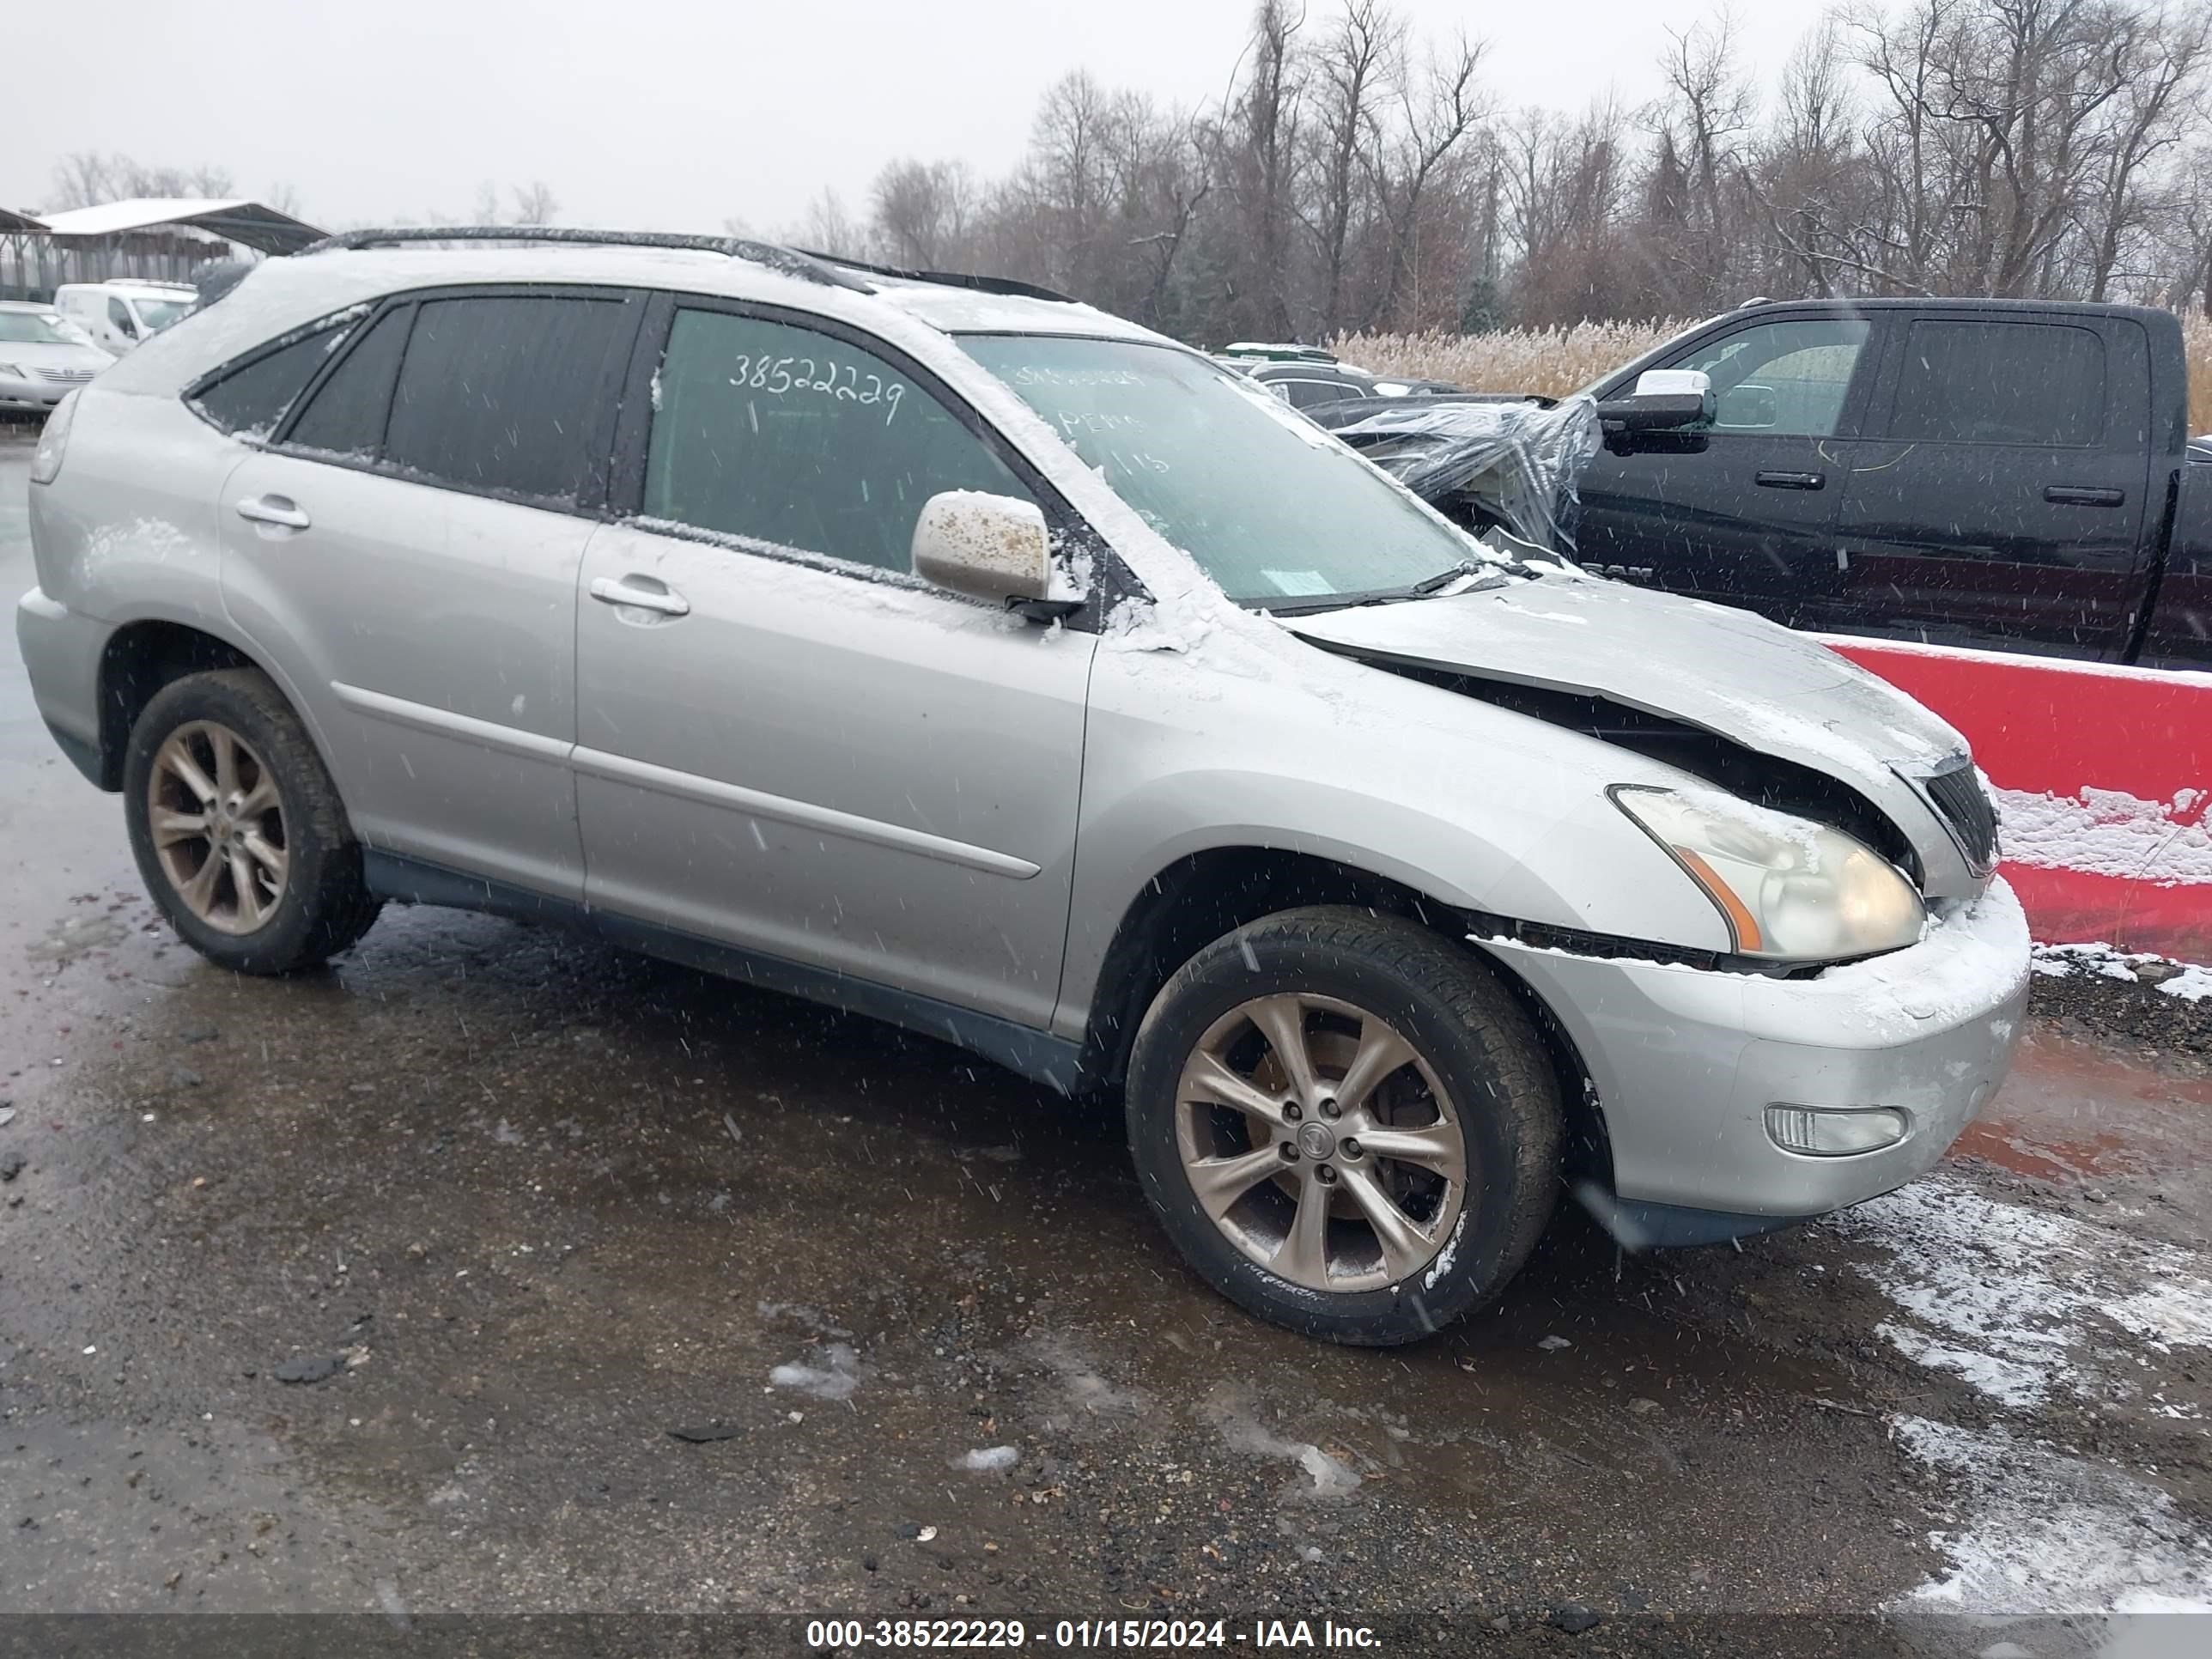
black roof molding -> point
(1012, 287)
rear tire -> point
(238, 832)
(1391, 1179)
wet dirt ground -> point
(533, 1205)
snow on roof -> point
(247, 222)
(294, 290)
(12, 220)
(972, 311)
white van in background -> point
(120, 313)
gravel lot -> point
(382, 1292)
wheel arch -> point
(1203, 894)
(143, 656)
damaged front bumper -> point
(1686, 1062)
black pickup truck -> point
(2009, 475)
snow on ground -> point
(2022, 1303)
(2185, 980)
(2032, 1531)
(2110, 832)
(835, 1378)
(1323, 1478)
(2031, 1307)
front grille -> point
(66, 376)
(1967, 812)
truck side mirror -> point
(1748, 406)
(1663, 400)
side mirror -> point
(1664, 399)
(991, 548)
(1747, 405)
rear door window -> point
(783, 435)
(508, 394)
(2000, 382)
(251, 400)
(345, 415)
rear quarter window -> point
(249, 400)
(345, 415)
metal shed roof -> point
(11, 222)
(248, 223)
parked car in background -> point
(121, 314)
(43, 356)
(1306, 377)
(1485, 459)
(2007, 474)
(993, 665)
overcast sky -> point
(678, 114)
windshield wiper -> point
(1446, 578)
(1499, 573)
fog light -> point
(1818, 1133)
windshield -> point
(158, 314)
(38, 328)
(1277, 513)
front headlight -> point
(1790, 889)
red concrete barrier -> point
(2103, 775)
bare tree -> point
(922, 209)
(87, 179)
(827, 229)
(1354, 69)
(1434, 122)
(283, 198)
(534, 203)
(2160, 58)
(1261, 148)
(1351, 174)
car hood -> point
(1726, 671)
(40, 354)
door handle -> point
(274, 509)
(2084, 496)
(1793, 480)
(645, 593)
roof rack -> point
(807, 267)
(1012, 287)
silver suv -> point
(950, 651)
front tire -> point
(1347, 1126)
(238, 832)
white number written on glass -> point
(780, 376)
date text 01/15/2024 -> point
(834, 1634)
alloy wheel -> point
(217, 823)
(1321, 1142)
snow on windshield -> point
(39, 328)
(1273, 508)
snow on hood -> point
(1724, 671)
